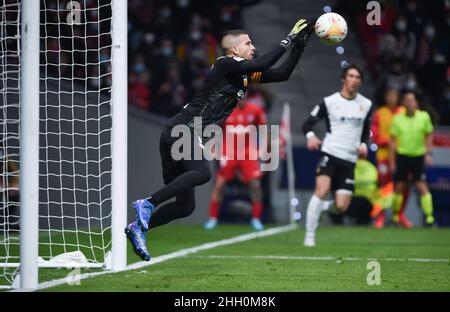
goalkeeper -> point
(225, 85)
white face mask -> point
(166, 13)
(401, 26)
(429, 32)
(167, 51)
(410, 84)
(183, 3)
(149, 38)
(196, 36)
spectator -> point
(139, 90)
(9, 195)
(411, 48)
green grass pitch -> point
(410, 260)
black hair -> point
(352, 66)
(405, 92)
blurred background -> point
(172, 45)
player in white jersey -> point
(347, 115)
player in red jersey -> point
(248, 169)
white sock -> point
(312, 214)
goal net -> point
(9, 137)
(75, 134)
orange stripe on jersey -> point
(256, 77)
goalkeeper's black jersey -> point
(224, 87)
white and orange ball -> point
(331, 28)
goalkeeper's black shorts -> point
(172, 168)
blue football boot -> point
(144, 211)
(210, 224)
(256, 224)
(137, 240)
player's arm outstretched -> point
(264, 62)
(319, 112)
(284, 71)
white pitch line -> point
(176, 254)
(325, 258)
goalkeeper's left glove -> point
(290, 38)
(302, 39)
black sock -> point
(151, 201)
(182, 207)
(197, 173)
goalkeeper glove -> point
(302, 39)
(298, 27)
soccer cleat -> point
(379, 221)
(144, 211)
(404, 222)
(310, 240)
(210, 224)
(137, 240)
(376, 211)
(256, 224)
(429, 220)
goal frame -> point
(29, 143)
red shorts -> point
(249, 169)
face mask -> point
(183, 3)
(104, 57)
(401, 26)
(167, 51)
(149, 38)
(411, 84)
(196, 36)
(139, 68)
(439, 58)
(226, 17)
(429, 32)
(166, 13)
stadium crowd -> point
(409, 50)
(172, 45)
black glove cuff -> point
(286, 43)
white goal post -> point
(72, 78)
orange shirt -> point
(381, 125)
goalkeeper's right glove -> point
(298, 27)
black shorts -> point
(410, 168)
(172, 168)
(341, 172)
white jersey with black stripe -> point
(348, 124)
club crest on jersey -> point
(241, 94)
(245, 80)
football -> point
(331, 28)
